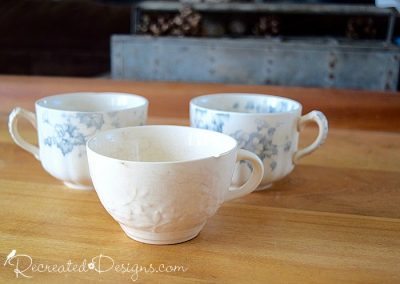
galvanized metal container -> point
(307, 62)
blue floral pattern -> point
(115, 123)
(216, 123)
(67, 135)
(91, 120)
(252, 107)
(261, 142)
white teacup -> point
(266, 125)
(64, 123)
(162, 183)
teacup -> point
(64, 123)
(162, 183)
(268, 126)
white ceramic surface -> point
(162, 183)
(64, 123)
(266, 125)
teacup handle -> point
(319, 118)
(254, 179)
(15, 115)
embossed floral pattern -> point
(140, 212)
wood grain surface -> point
(334, 219)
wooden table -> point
(335, 219)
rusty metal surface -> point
(218, 16)
(306, 62)
(308, 8)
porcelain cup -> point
(64, 123)
(267, 125)
(162, 183)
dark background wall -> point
(59, 37)
(72, 37)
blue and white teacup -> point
(266, 125)
(65, 122)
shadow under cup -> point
(265, 125)
(162, 183)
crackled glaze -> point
(64, 126)
(265, 125)
(165, 202)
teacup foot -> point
(162, 238)
(78, 186)
(263, 187)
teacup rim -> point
(103, 133)
(68, 94)
(193, 103)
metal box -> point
(307, 62)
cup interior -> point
(246, 103)
(92, 102)
(160, 143)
